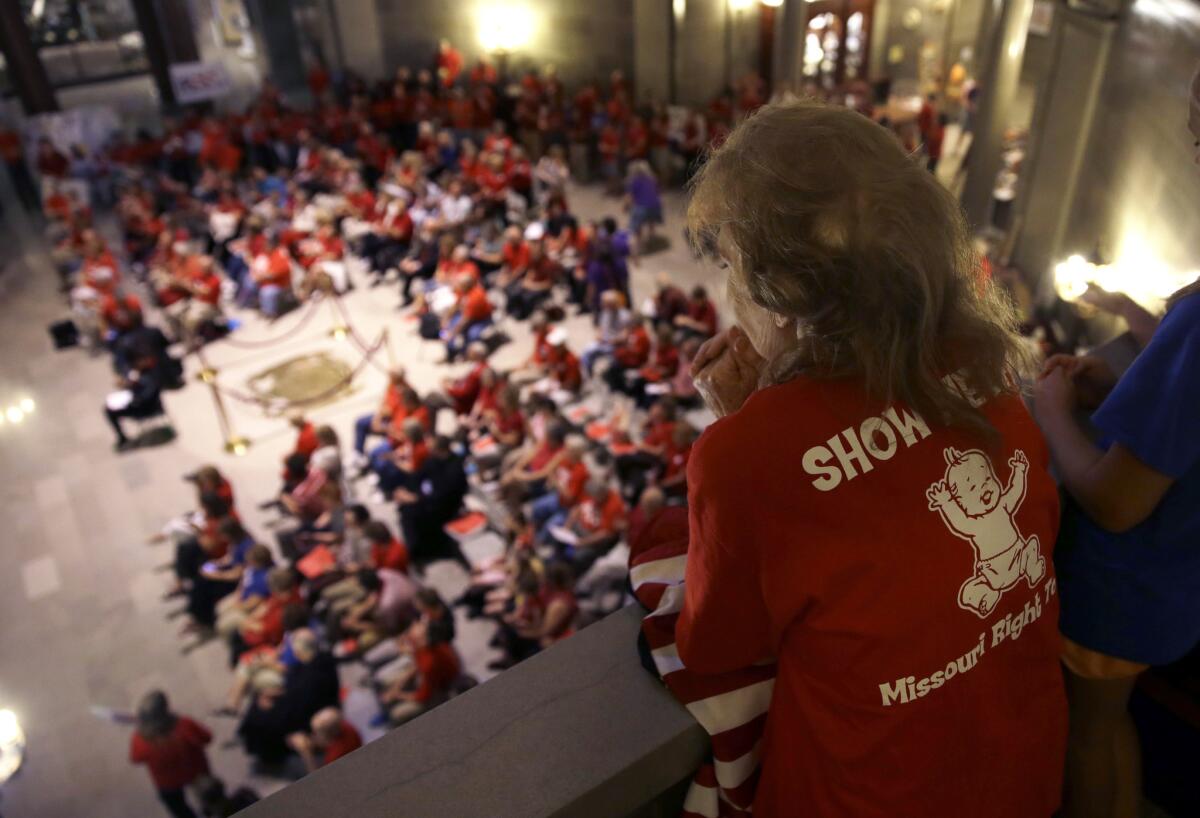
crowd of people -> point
(453, 189)
(456, 195)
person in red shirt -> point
(172, 748)
(700, 319)
(435, 668)
(51, 163)
(13, 154)
(271, 280)
(562, 365)
(527, 475)
(482, 73)
(609, 145)
(471, 317)
(449, 63)
(386, 550)
(564, 487)
(461, 393)
(596, 522)
(874, 500)
(530, 290)
(318, 82)
(331, 738)
(630, 354)
(264, 625)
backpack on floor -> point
(430, 327)
(64, 334)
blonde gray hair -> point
(832, 226)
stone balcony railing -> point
(581, 731)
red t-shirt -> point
(346, 742)
(635, 351)
(902, 578)
(208, 288)
(515, 256)
(306, 440)
(176, 759)
(596, 517)
(391, 555)
(570, 479)
(438, 667)
(475, 305)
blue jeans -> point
(456, 345)
(592, 354)
(269, 298)
(362, 428)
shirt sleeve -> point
(724, 624)
(1152, 409)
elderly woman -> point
(872, 509)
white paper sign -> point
(197, 81)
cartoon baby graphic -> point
(973, 506)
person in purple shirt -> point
(643, 201)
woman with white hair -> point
(872, 511)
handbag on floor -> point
(64, 334)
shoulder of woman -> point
(737, 443)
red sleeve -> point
(139, 750)
(722, 576)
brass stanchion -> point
(234, 444)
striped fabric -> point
(731, 707)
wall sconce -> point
(505, 27)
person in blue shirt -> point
(1127, 561)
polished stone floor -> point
(82, 620)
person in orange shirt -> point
(377, 422)
(471, 316)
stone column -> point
(1003, 30)
(281, 41)
(1058, 140)
(25, 69)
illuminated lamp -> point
(505, 27)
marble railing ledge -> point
(580, 730)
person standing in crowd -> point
(1128, 566)
(13, 154)
(172, 748)
(440, 487)
(870, 519)
(644, 203)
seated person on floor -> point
(565, 487)
(612, 321)
(264, 667)
(700, 318)
(385, 610)
(630, 354)
(527, 476)
(469, 319)
(331, 736)
(376, 423)
(264, 624)
(430, 680)
(309, 685)
(592, 527)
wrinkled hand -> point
(1054, 392)
(726, 371)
